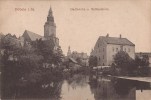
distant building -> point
(1, 37)
(106, 47)
(11, 40)
(8, 41)
(141, 54)
(69, 52)
(1, 50)
(83, 57)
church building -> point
(49, 31)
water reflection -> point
(76, 88)
(87, 87)
(83, 87)
(107, 89)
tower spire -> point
(50, 26)
(50, 11)
(50, 17)
(69, 51)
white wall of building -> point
(113, 49)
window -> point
(116, 49)
(99, 58)
(113, 49)
(128, 49)
(113, 56)
(121, 47)
(103, 49)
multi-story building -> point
(106, 47)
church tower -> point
(69, 52)
(50, 26)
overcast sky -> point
(80, 29)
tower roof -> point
(50, 12)
(33, 36)
(50, 17)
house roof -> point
(72, 60)
(33, 36)
(116, 40)
(143, 53)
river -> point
(83, 87)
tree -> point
(58, 56)
(124, 63)
(49, 51)
(93, 61)
(142, 64)
(79, 60)
(19, 76)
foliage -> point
(142, 61)
(93, 61)
(123, 64)
(23, 67)
(48, 50)
(58, 56)
(79, 60)
(142, 64)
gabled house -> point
(106, 47)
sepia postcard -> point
(75, 50)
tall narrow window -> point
(103, 49)
(113, 56)
(121, 48)
(116, 49)
(113, 49)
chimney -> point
(120, 36)
(107, 35)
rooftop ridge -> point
(116, 40)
